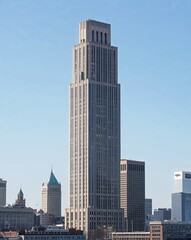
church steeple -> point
(20, 201)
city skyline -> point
(36, 69)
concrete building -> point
(170, 230)
(131, 236)
(181, 197)
(3, 185)
(132, 194)
(94, 132)
(51, 196)
(17, 216)
(162, 214)
(53, 233)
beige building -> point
(51, 196)
(132, 194)
(3, 185)
(94, 133)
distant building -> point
(17, 216)
(148, 207)
(51, 196)
(181, 197)
(132, 194)
(47, 219)
(3, 185)
(148, 213)
(170, 230)
(181, 206)
(53, 233)
(182, 182)
(9, 235)
(131, 235)
(20, 201)
(162, 214)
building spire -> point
(52, 180)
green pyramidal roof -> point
(53, 180)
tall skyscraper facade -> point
(181, 197)
(94, 133)
(132, 191)
(3, 187)
(51, 196)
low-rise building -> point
(17, 216)
(53, 233)
(170, 230)
(131, 235)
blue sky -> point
(36, 42)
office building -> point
(170, 230)
(132, 194)
(181, 197)
(148, 213)
(52, 233)
(182, 182)
(148, 207)
(51, 196)
(94, 133)
(162, 214)
(3, 185)
(181, 206)
(131, 236)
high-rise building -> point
(181, 197)
(132, 194)
(148, 207)
(51, 196)
(3, 185)
(94, 133)
(182, 182)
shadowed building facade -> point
(94, 133)
(132, 194)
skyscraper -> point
(3, 185)
(132, 177)
(181, 198)
(51, 196)
(94, 133)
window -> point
(92, 36)
(105, 38)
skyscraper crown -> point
(53, 180)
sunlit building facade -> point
(94, 133)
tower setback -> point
(94, 133)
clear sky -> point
(36, 39)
